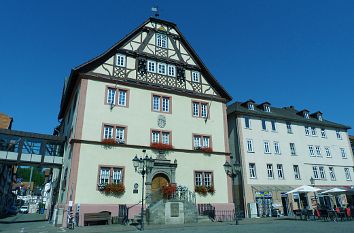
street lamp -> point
(233, 171)
(143, 166)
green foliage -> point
(37, 175)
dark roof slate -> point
(286, 114)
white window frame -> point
(323, 133)
(280, 171)
(247, 123)
(273, 125)
(117, 175)
(264, 124)
(306, 115)
(311, 151)
(315, 172)
(105, 173)
(161, 40)
(266, 146)
(120, 134)
(347, 174)
(250, 106)
(122, 97)
(108, 132)
(156, 103)
(252, 170)
(155, 136)
(307, 130)
(339, 136)
(296, 169)
(249, 146)
(343, 153)
(292, 148)
(318, 151)
(313, 131)
(203, 110)
(266, 108)
(322, 172)
(277, 148)
(195, 77)
(328, 152)
(120, 60)
(151, 66)
(270, 172)
(161, 68)
(111, 96)
(289, 128)
(165, 103)
(332, 174)
(171, 70)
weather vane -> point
(155, 10)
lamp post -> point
(143, 166)
(233, 171)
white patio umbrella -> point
(304, 189)
(334, 191)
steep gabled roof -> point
(95, 62)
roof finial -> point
(155, 9)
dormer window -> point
(320, 117)
(250, 106)
(161, 40)
(306, 115)
(195, 76)
(266, 108)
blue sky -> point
(297, 53)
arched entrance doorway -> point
(160, 180)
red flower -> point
(109, 141)
(168, 190)
(207, 149)
(161, 146)
(202, 190)
(114, 189)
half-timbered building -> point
(149, 94)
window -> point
(320, 117)
(296, 172)
(347, 174)
(266, 147)
(250, 106)
(111, 96)
(331, 173)
(342, 152)
(201, 141)
(161, 103)
(120, 60)
(338, 134)
(108, 132)
(161, 68)
(266, 108)
(250, 145)
(280, 171)
(120, 132)
(151, 66)
(264, 125)
(274, 128)
(318, 150)
(328, 152)
(200, 109)
(306, 115)
(247, 123)
(323, 133)
(288, 127)
(315, 172)
(110, 175)
(115, 132)
(314, 132)
(161, 40)
(307, 131)
(252, 169)
(195, 76)
(171, 70)
(270, 171)
(122, 99)
(276, 148)
(292, 148)
(322, 172)
(311, 151)
(158, 136)
(203, 178)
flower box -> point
(206, 149)
(204, 190)
(109, 141)
(161, 146)
(114, 189)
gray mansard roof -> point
(287, 114)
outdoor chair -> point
(340, 213)
(323, 214)
(348, 213)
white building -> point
(150, 90)
(282, 148)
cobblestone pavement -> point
(246, 226)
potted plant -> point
(109, 141)
(114, 189)
(211, 189)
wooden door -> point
(159, 181)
